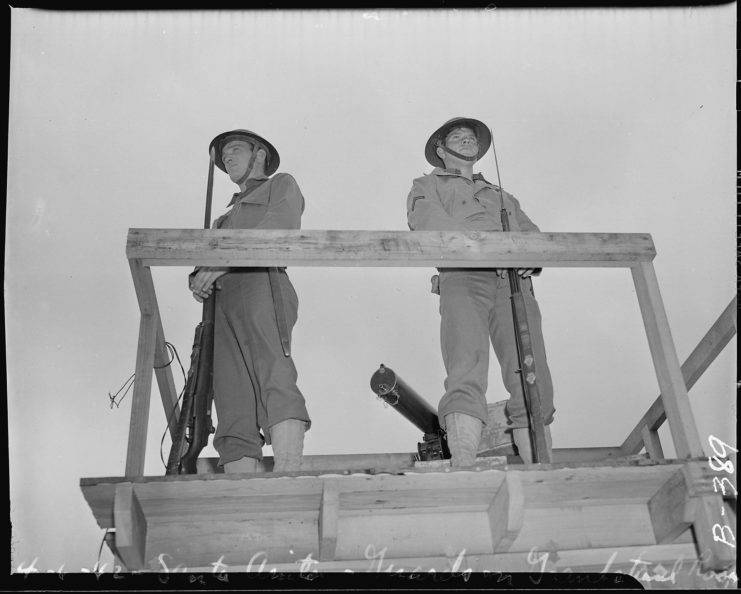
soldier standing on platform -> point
(475, 303)
(254, 376)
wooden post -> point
(165, 382)
(714, 341)
(136, 450)
(671, 383)
(716, 541)
(150, 352)
(652, 443)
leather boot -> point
(464, 434)
(243, 465)
(521, 437)
(287, 438)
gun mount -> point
(395, 392)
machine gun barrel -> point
(397, 393)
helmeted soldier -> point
(254, 377)
(475, 304)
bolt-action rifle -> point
(526, 356)
(396, 392)
(194, 423)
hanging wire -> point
(115, 400)
(127, 384)
(177, 402)
(173, 354)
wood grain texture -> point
(652, 443)
(667, 509)
(140, 399)
(477, 249)
(506, 513)
(131, 527)
(245, 522)
(328, 516)
(666, 364)
(678, 564)
(147, 298)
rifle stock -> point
(194, 424)
(528, 376)
(526, 356)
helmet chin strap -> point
(247, 172)
(457, 155)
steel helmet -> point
(438, 138)
(272, 161)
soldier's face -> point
(463, 141)
(236, 157)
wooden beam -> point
(165, 381)
(137, 446)
(715, 536)
(671, 383)
(715, 532)
(394, 461)
(654, 562)
(328, 516)
(506, 513)
(327, 462)
(131, 527)
(714, 341)
(668, 509)
(652, 443)
(147, 298)
(473, 249)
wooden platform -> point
(597, 509)
(494, 517)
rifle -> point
(395, 391)
(525, 354)
(194, 423)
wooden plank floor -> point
(500, 512)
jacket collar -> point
(457, 172)
(252, 185)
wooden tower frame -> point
(618, 500)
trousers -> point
(255, 384)
(475, 308)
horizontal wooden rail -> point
(443, 249)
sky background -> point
(606, 120)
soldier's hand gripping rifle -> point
(525, 354)
(194, 423)
(394, 391)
